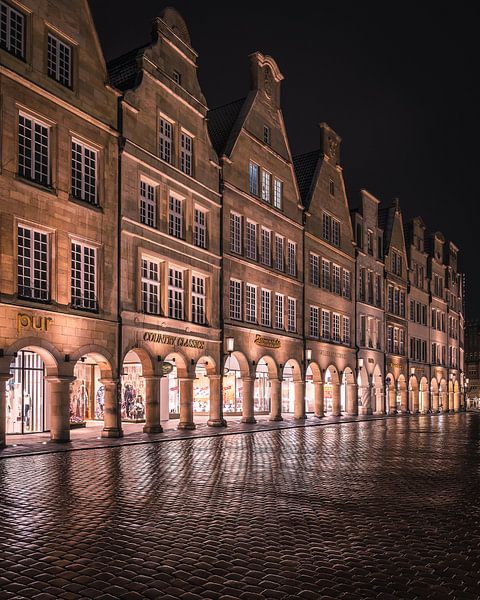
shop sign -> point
(166, 368)
(332, 354)
(173, 340)
(34, 322)
(266, 342)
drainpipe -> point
(220, 294)
(121, 145)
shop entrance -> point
(288, 388)
(25, 394)
(201, 388)
(232, 387)
(261, 396)
(309, 391)
(330, 387)
(132, 401)
(86, 393)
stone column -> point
(318, 399)
(336, 400)
(216, 399)
(379, 401)
(450, 401)
(247, 405)
(403, 400)
(59, 403)
(186, 404)
(425, 402)
(456, 401)
(152, 405)
(414, 401)
(351, 400)
(112, 420)
(435, 399)
(299, 401)
(4, 377)
(275, 400)
(444, 396)
(365, 393)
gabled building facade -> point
(329, 308)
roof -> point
(124, 71)
(221, 122)
(305, 166)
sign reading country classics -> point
(266, 342)
(35, 322)
(173, 340)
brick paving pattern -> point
(373, 509)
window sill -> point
(85, 203)
(40, 186)
(35, 300)
(64, 86)
(94, 311)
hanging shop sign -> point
(173, 340)
(33, 322)
(166, 368)
(266, 342)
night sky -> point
(398, 82)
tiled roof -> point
(124, 71)
(221, 121)
(305, 166)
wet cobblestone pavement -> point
(374, 509)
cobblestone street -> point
(379, 509)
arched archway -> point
(204, 367)
(87, 391)
(424, 396)
(177, 367)
(402, 395)
(331, 392)
(137, 365)
(313, 378)
(390, 394)
(443, 397)
(266, 372)
(348, 393)
(413, 395)
(435, 395)
(235, 371)
(378, 391)
(364, 398)
(291, 373)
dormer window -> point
(266, 135)
(177, 77)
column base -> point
(186, 425)
(364, 411)
(216, 423)
(275, 418)
(319, 416)
(336, 414)
(248, 420)
(112, 432)
(152, 429)
(352, 414)
(379, 413)
(302, 418)
(60, 440)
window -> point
(199, 228)
(251, 315)
(12, 30)
(253, 173)
(326, 227)
(396, 299)
(266, 185)
(346, 330)
(279, 310)
(84, 276)
(370, 242)
(390, 298)
(166, 134)
(359, 235)
(325, 324)
(84, 173)
(266, 246)
(401, 348)
(380, 247)
(370, 287)
(336, 287)
(198, 299)
(331, 187)
(314, 270)
(363, 330)
(32, 264)
(292, 258)
(336, 327)
(175, 217)
(279, 253)
(251, 240)
(175, 293)
(378, 292)
(148, 207)
(362, 284)
(292, 314)
(235, 299)
(266, 135)
(266, 311)
(397, 263)
(186, 154)
(314, 321)
(402, 305)
(33, 150)
(395, 340)
(177, 77)
(277, 193)
(335, 232)
(390, 339)
(347, 286)
(150, 286)
(59, 61)
(235, 233)
(412, 310)
(325, 274)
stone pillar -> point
(186, 403)
(456, 401)
(425, 402)
(216, 399)
(299, 401)
(403, 400)
(59, 402)
(379, 400)
(435, 399)
(450, 402)
(444, 396)
(336, 400)
(351, 400)
(318, 399)
(152, 405)
(112, 421)
(247, 406)
(365, 393)
(4, 377)
(275, 400)
(414, 401)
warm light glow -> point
(308, 354)
(360, 363)
(230, 344)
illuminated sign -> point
(34, 322)
(173, 340)
(266, 342)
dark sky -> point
(398, 82)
